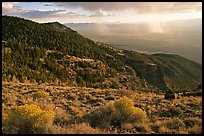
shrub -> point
(155, 128)
(61, 116)
(29, 119)
(169, 96)
(196, 129)
(129, 113)
(101, 116)
(140, 127)
(40, 94)
(116, 114)
(175, 123)
(190, 122)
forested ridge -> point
(54, 53)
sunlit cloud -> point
(139, 7)
(8, 5)
(100, 12)
(9, 8)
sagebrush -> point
(29, 119)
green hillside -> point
(179, 71)
(54, 53)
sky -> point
(103, 12)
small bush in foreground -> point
(117, 113)
(29, 119)
(40, 94)
(128, 113)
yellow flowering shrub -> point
(116, 113)
(40, 94)
(29, 119)
(128, 113)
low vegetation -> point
(54, 53)
(40, 95)
(71, 110)
(29, 119)
(56, 81)
(117, 114)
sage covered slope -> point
(52, 52)
(179, 72)
(145, 68)
(165, 71)
(47, 36)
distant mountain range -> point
(54, 53)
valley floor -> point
(70, 104)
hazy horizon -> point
(180, 37)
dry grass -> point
(192, 121)
(128, 93)
(4, 116)
(169, 126)
(79, 129)
(71, 103)
(62, 116)
(127, 126)
(197, 129)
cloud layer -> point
(9, 8)
(99, 11)
(140, 7)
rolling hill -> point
(55, 54)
